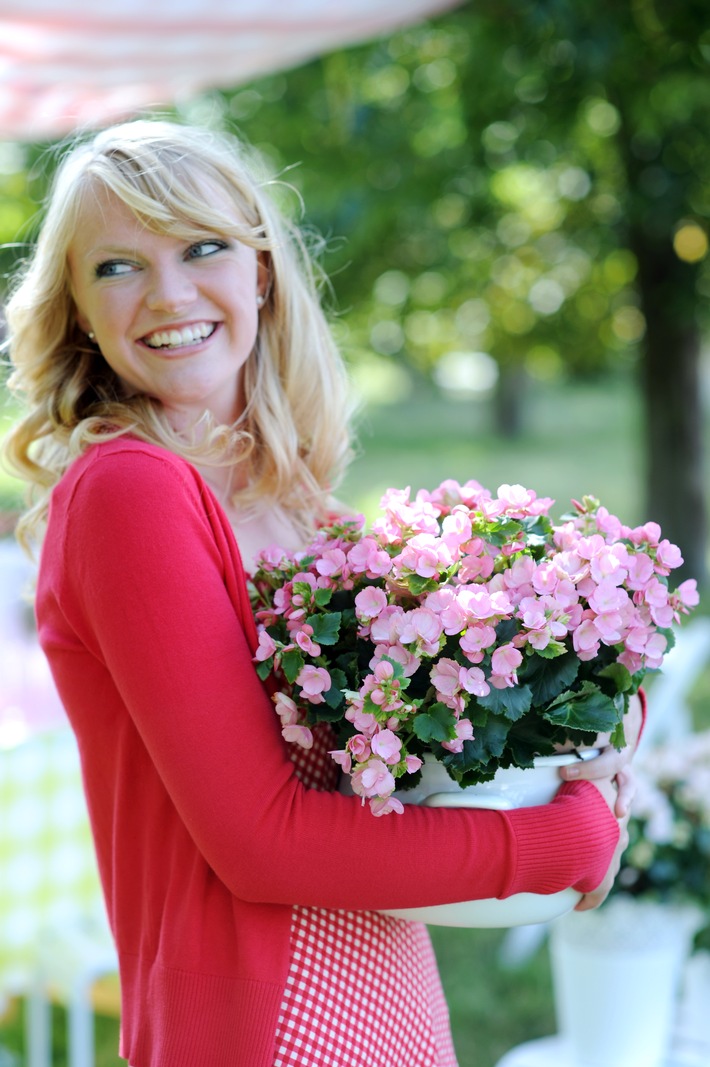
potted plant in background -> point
(623, 964)
(462, 638)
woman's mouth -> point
(180, 337)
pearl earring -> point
(91, 335)
(260, 298)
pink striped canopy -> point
(72, 63)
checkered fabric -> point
(48, 874)
(362, 988)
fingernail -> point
(572, 771)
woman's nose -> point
(170, 289)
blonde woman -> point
(186, 407)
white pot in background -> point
(616, 975)
(512, 787)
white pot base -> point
(521, 909)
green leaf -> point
(618, 737)
(619, 675)
(418, 584)
(323, 597)
(548, 678)
(552, 650)
(265, 668)
(513, 702)
(587, 709)
(435, 725)
(488, 743)
(292, 664)
(304, 590)
(334, 697)
(326, 628)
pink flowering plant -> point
(465, 627)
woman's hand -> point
(607, 788)
(613, 764)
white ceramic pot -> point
(512, 787)
(616, 976)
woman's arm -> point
(145, 588)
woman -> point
(185, 398)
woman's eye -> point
(113, 268)
(205, 248)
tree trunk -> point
(675, 486)
(510, 396)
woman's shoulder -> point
(129, 465)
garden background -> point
(513, 203)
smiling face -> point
(174, 318)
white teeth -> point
(175, 338)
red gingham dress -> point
(362, 988)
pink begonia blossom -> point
(366, 557)
(473, 568)
(409, 662)
(456, 528)
(298, 735)
(412, 763)
(342, 757)
(425, 555)
(359, 747)
(304, 640)
(444, 676)
(384, 627)
(586, 639)
(609, 525)
(607, 597)
(504, 664)
(387, 745)
(520, 501)
(464, 732)
(473, 680)
(655, 650)
(422, 626)
(667, 557)
(370, 602)
(286, 709)
(476, 640)
(505, 659)
(372, 779)
(688, 593)
(364, 721)
(450, 493)
(385, 805)
(314, 681)
(631, 660)
(649, 533)
(266, 647)
(333, 562)
(454, 618)
(606, 565)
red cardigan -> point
(205, 838)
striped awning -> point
(68, 63)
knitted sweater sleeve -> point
(141, 584)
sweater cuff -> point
(569, 842)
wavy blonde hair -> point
(294, 433)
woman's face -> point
(175, 319)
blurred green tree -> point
(527, 179)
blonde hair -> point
(293, 435)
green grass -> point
(578, 439)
